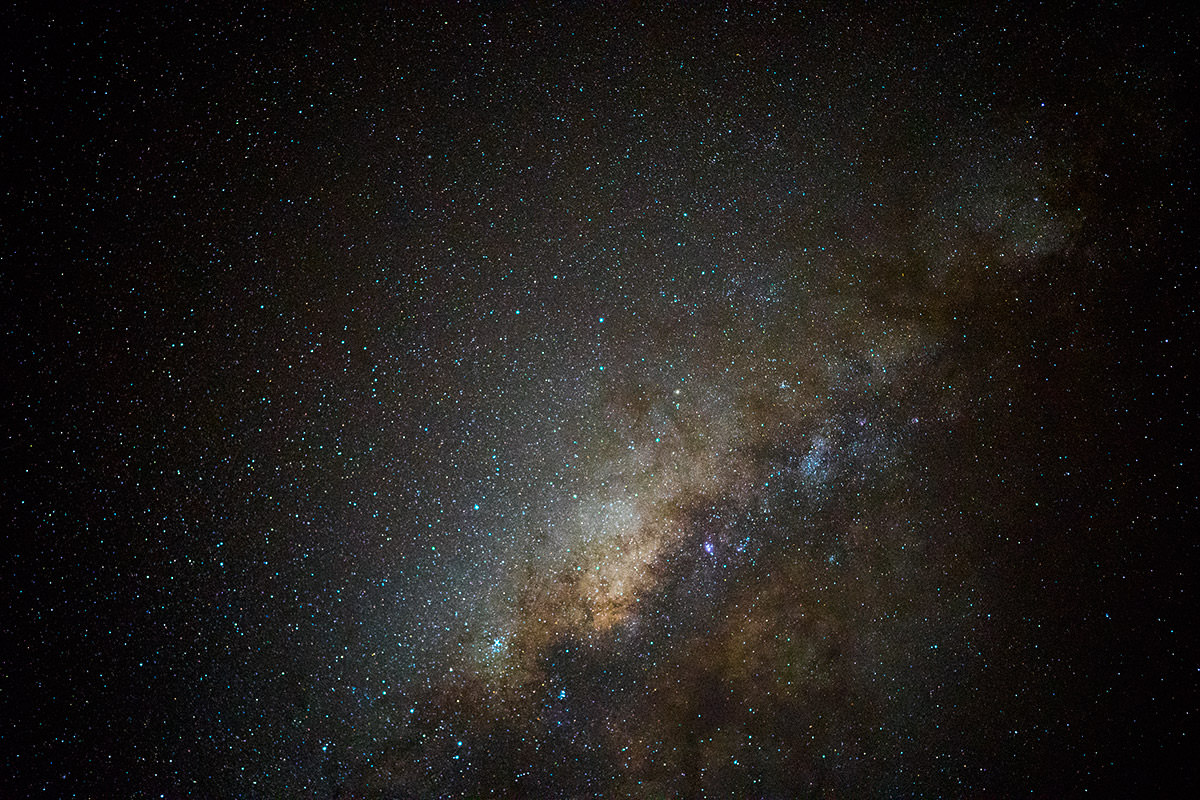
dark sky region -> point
(599, 400)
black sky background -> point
(298, 306)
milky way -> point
(599, 402)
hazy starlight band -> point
(591, 400)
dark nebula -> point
(592, 400)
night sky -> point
(564, 401)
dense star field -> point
(571, 401)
